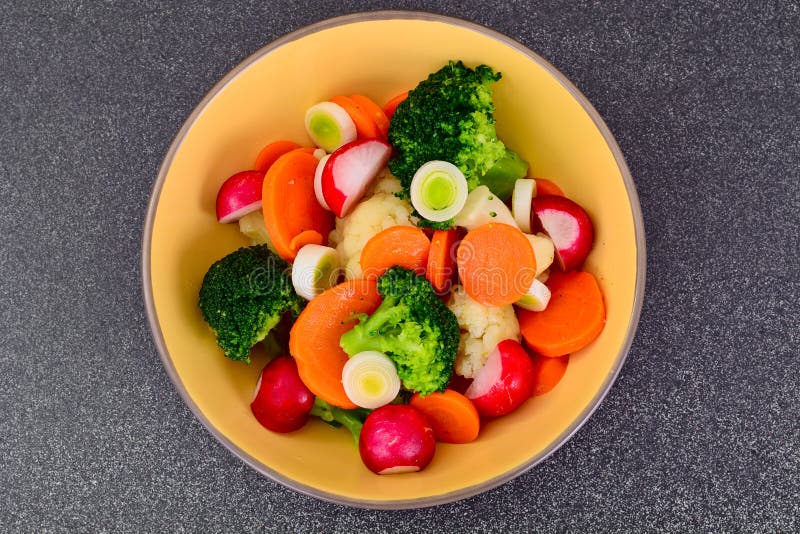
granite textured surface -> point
(700, 433)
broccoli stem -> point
(368, 335)
(504, 173)
(352, 420)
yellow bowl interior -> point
(537, 115)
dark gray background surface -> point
(700, 432)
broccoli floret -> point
(448, 117)
(353, 420)
(411, 326)
(244, 295)
(434, 225)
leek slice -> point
(370, 379)
(439, 191)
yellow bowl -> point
(539, 113)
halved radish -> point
(318, 181)
(239, 195)
(524, 191)
(315, 269)
(504, 382)
(568, 225)
(396, 438)
(350, 170)
(329, 125)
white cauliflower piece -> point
(482, 328)
(381, 209)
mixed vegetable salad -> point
(407, 277)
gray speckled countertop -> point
(700, 432)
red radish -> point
(504, 382)
(568, 225)
(239, 195)
(281, 401)
(396, 438)
(350, 170)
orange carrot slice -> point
(574, 317)
(452, 416)
(365, 126)
(547, 372)
(546, 187)
(270, 153)
(406, 246)
(292, 215)
(441, 266)
(496, 264)
(314, 338)
(374, 111)
(390, 106)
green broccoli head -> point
(422, 222)
(447, 117)
(411, 326)
(244, 295)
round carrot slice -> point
(547, 372)
(292, 215)
(390, 106)
(270, 153)
(547, 187)
(441, 268)
(406, 246)
(374, 111)
(496, 264)
(574, 317)
(314, 338)
(452, 416)
(365, 126)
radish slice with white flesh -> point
(483, 207)
(438, 191)
(504, 382)
(524, 191)
(537, 298)
(568, 225)
(329, 126)
(349, 172)
(239, 195)
(543, 250)
(318, 181)
(370, 379)
(315, 269)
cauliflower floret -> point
(386, 184)
(380, 210)
(482, 328)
